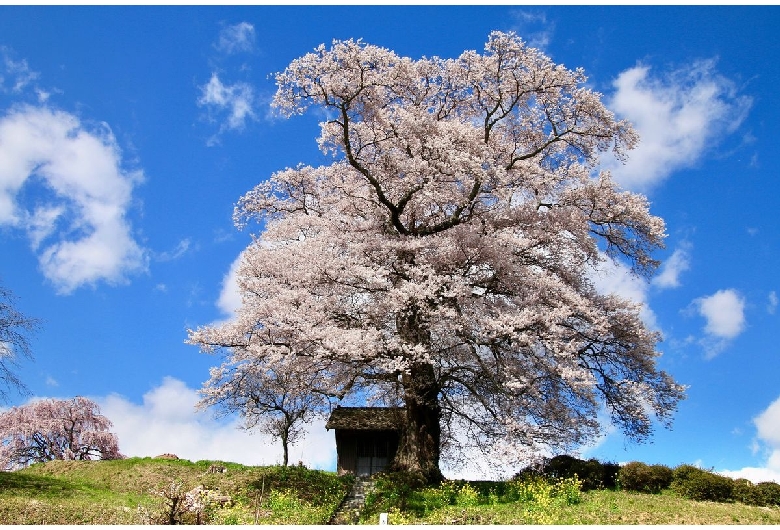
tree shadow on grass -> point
(15, 483)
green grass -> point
(122, 492)
(666, 508)
(537, 501)
(597, 508)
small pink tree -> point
(55, 429)
(278, 401)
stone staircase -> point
(349, 510)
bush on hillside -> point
(398, 489)
(768, 493)
(592, 474)
(597, 475)
(637, 476)
(746, 492)
(761, 494)
(700, 485)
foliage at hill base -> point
(554, 494)
(530, 500)
(133, 491)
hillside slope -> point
(162, 491)
(145, 490)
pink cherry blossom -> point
(55, 429)
(442, 260)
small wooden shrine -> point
(366, 438)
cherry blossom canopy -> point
(444, 259)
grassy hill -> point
(158, 491)
(146, 490)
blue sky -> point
(128, 133)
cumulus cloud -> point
(229, 300)
(613, 277)
(724, 313)
(167, 422)
(768, 426)
(78, 225)
(233, 103)
(678, 118)
(768, 435)
(236, 38)
(677, 263)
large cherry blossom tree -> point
(55, 429)
(444, 259)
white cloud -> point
(230, 295)
(42, 223)
(724, 313)
(754, 474)
(768, 433)
(236, 99)
(534, 27)
(613, 277)
(768, 425)
(78, 226)
(678, 119)
(677, 263)
(170, 255)
(167, 422)
(772, 303)
(15, 75)
(237, 38)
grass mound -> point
(160, 491)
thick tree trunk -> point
(419, 446)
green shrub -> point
(700, 485)
(559, 466)
(761, 494)
(768, 493)
(611, 470)
(399, 489)
(595, 475)
(746, 492)
(591, 473)
(637, 476)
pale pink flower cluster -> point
(454, 230)
(55, 429)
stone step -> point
(349, 510)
